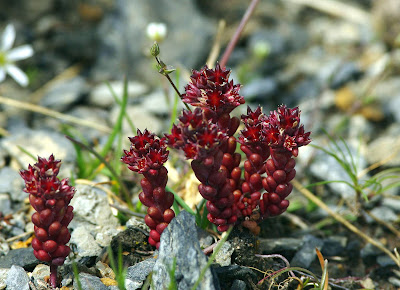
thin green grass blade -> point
(118, 125)
(76, 275)
(180, 201)
(118, 101)
(176, 101)
(329, 181)
(212, 258)
(27, 152)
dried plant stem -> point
(12, 239)
(98, 156)
(45, 111)
(385, 224)
(338, 9)
(238, 32)
(68, 73)
(342, 220)
(212, 57)
(280, 257)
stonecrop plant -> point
(50, 197)
(206, 135)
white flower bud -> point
(156, 31)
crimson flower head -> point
(147, 152)
(211, 89)
(282, 129)
(252, 134)
(41, 180)
(196, 136)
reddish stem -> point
(238, 32)
(53, 275)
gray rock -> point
(273, 38)
(223, 257)
(385, 213)
(39, 274)
(137, 223)
(385, 261)
(369, 251)
(382, 148)
(395, 281)
(39, 143)
(393, 106)
(17, 279)
(85, 243)
(141, 119)
(157, 103)
(89, 282)
(234, 273)
(104, 238)
(281, 245)
(179, 243)
(205, 239)
(334, 246)
(5, 204)
(22, 257)
(93, 114)
(137, 274)
(238, 285)
(91, 208)
(392, 203)
(101, 95)
(3, 277)
(12, 183)
(29, 11)
(306, 255)
(64, 94)
(259, 89)
(345, 73)
(187, 41)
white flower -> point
(8, 56)
(156, 31)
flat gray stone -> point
(86, 245)
(17, 279)
(92, 209)
(179, 242)
(306, 255)
(22, 257)
(12, 183)
(137, 274)
(89, 282)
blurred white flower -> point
(8, 56)
(156, 31)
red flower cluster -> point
(146, 152)
(196, 136)
(211, 89)
(50, 197)
(147, 155)
(282, 129)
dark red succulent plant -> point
(284, 135)
(50, 197)
(202, 140)
(147, 156)
(206, 135)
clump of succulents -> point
(206, 136)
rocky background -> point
(340, 66)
